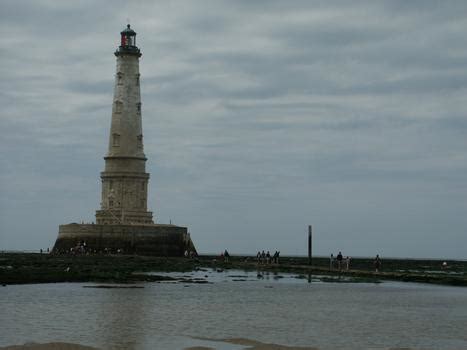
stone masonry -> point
(124, 180)
(123, 221)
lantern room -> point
(128, 37)
(128, 42)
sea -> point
(207, 308)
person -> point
(339, 261)
(263, 257)
(275, 257)
(258, 257)
(445, 265)
(377, 263)
(331, 262)
(226, 256)
(347, 263)
(268, 257)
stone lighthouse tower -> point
(124, 180)
(123, 223)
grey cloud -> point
(259, 117)
(86, 87)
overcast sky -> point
(259, 117)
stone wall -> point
(157, 239)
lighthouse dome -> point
(128, 31)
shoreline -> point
(28, 268)
(246, 344)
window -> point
(118, 106)
(137, 78)
(115, 140)
(140, 141)
(119, 78)
(138, 107)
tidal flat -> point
(26, 268)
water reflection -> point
(221, 275)
(238, 305)
(122, 316)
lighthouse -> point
(124, 179)
(123, 222)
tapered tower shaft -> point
(124, 180)
(123, 223)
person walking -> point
(377, 263)
(331, 262)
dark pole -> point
(309, 244)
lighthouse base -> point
(153, 239)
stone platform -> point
(151, 239)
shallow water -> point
(270, 308)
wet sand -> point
(247, 343)
(48, 346)
(256, 345)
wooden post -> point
(309, 244)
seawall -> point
(153, 239)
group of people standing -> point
(266, 258)
(190, 254)
(339, 262)
(342, 263)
